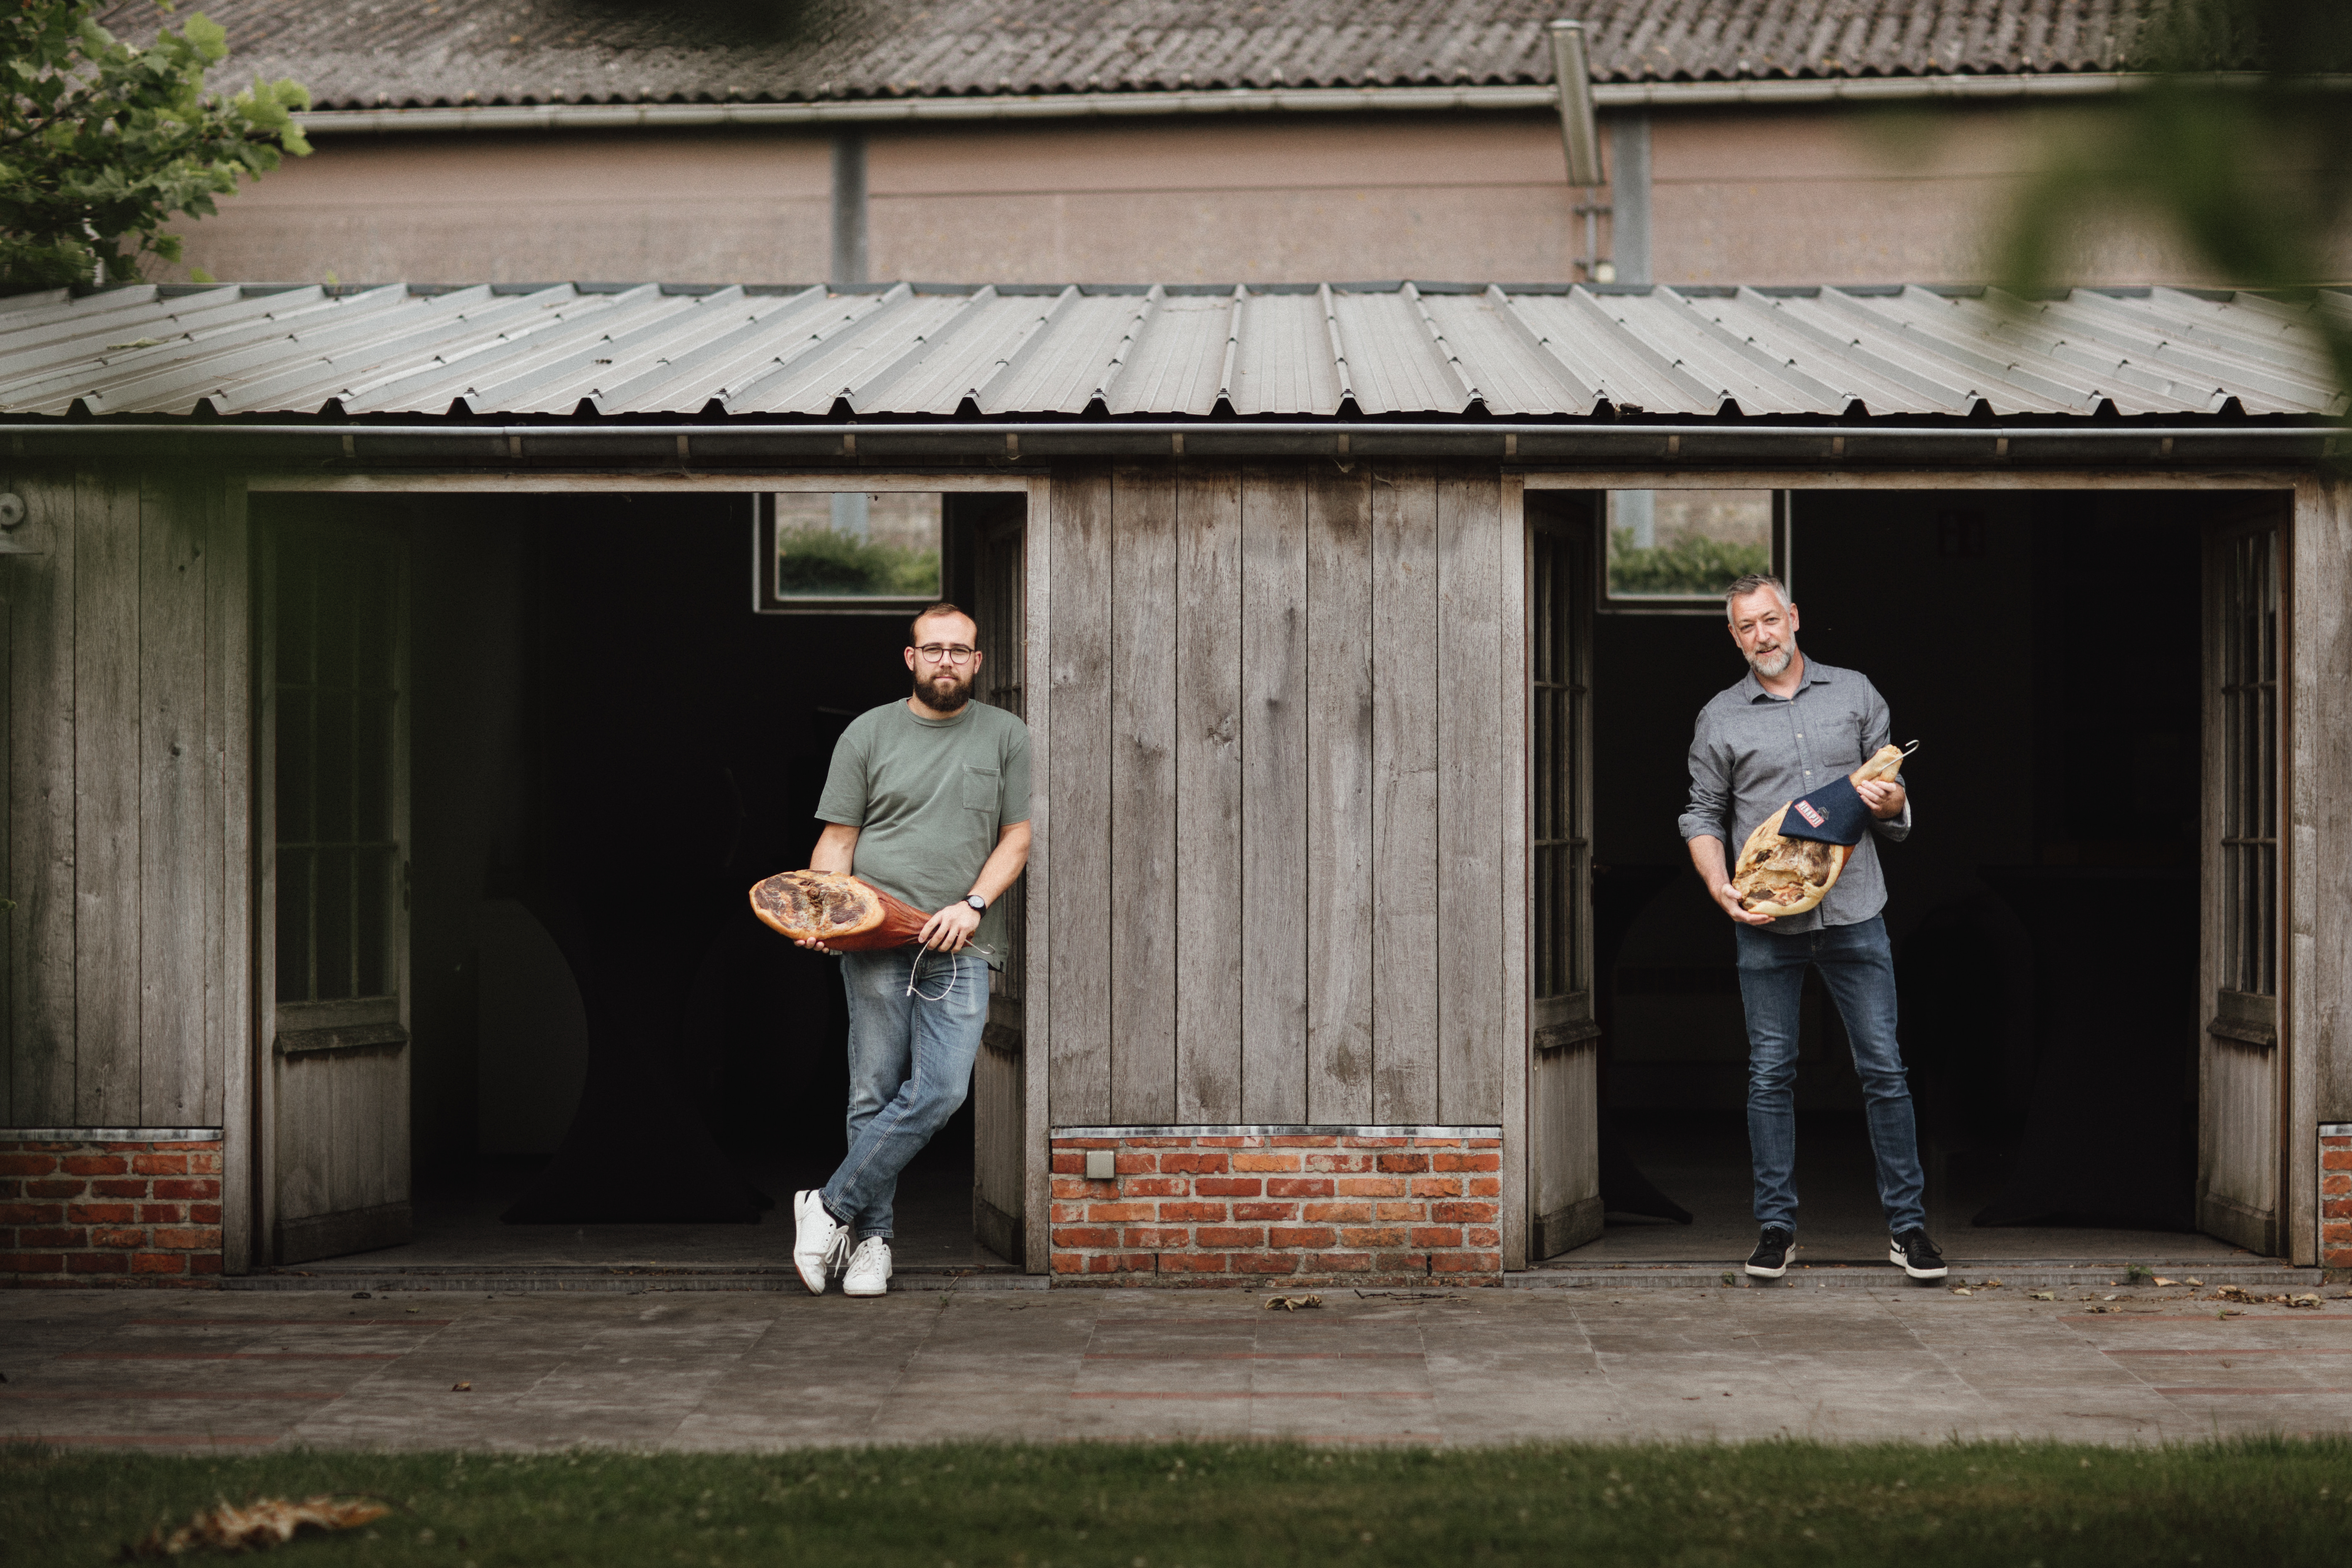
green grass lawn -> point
(1183, 1505)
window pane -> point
(1686, 543)
(373, 940)
(334, 775)
(294, 925)
(857, 545)
(335, 926)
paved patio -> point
(767, 1369)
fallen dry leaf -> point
(2196, 1283)
(2308, 1299)
(257, 1525)
(1292, 1303)
(461, 1388)
(2045, 1295)
(1962, 1290)
(2160, 1279)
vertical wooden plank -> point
(1471, 797)
(178, 837)
(8, 774)
(268, 1075)
(1274, 795)
(1208, 939)
(1143, 932)
(389, 1086)
(1510, 709)
(1077, 788)
(1404, 935)
(1038, 628)
(230, 745)
(106, 801)
(1339, 727)
(2317, 1033)
(40, 589)
(305, 1137)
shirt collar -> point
(1816, 674)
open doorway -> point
(2046, 649)
(611, 733)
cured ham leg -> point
(835, 909)
(1779, 876)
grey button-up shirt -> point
(1754, 753)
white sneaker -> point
(818, 1244)
(869, 1273)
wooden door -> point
(999, 1082)
(1563, 1142)
(332, 916)
(2240, 1076)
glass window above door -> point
(851, 550)
(1678, 549)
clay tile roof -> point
(396, 53)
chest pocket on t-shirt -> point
(983, 788)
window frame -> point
(766, 601)
(1609, 603)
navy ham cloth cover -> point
(1833, 814)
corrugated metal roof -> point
(375, 53)
(1184, 351)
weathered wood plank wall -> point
(126, 748)
(2318, 948)
(1281, 789)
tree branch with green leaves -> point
(102, 144)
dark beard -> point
(948, 704)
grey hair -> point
(1756, 582)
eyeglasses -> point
(946, 653)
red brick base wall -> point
(1201, 1207)
(2335, 1195)
(83, 1213)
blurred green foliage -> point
(101, 144)
(2239, 140)
(819, 561)
(1694, 565)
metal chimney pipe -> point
(1577, 133)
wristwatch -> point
(977, 902)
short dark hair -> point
(941, 609)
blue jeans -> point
(909, 1069)
(1858, 965)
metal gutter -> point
(673, 448)
(1235, 100)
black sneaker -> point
(1771, 1258)
(1916, 1256)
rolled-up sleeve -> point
(1878, 726)
(1708, 813)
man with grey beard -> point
(1789, 726)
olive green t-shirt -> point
(929, 797)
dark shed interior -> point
(608, 747)
(2044, 648)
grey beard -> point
(948, 704)
(1771, 665)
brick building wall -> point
(2335, 1195)
(109, 1206)
(1243, 1206)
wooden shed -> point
(335, 616)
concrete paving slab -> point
(763, 1371)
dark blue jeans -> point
(1858, 965)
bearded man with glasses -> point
(928, 799)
